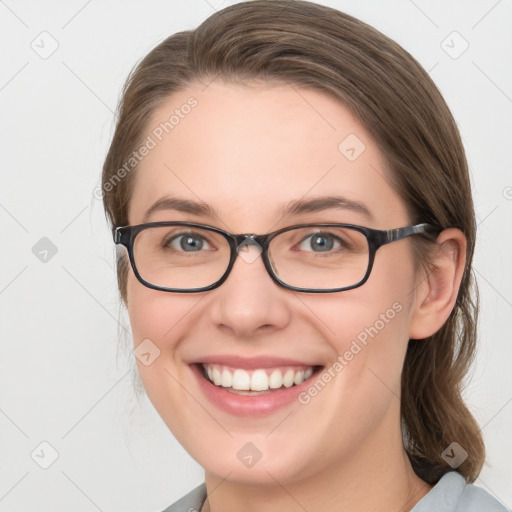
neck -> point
(378, 476)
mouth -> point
(256, 382)
(253, 388)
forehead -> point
(248, 150)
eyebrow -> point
(295, 207)
(322, 203)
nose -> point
(249, 302)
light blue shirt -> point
(450, 494)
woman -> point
(313, 361)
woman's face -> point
(248, 152)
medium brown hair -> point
(309, 45)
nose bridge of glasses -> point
(244, 243)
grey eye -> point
(186, 242)
(319, 242)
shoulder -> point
(191, 502)
(450, 494)
(475, 499)
(453, 494)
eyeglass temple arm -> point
(418, 229)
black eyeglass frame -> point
(125, 236)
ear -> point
(437, 289)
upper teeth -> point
(256, 380)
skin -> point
(247, 150)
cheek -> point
(146, 318)
(156, 315)
(158, 322)
(380, 307)
(368, 329)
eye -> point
(187, 242)
(321, 242)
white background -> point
(65, 374)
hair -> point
(386, 89)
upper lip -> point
(251, 363)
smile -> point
(252, 388)
(238, 379)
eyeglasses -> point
(315, 258)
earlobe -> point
(437, 291)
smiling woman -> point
(305, 230)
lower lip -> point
(244, 405)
